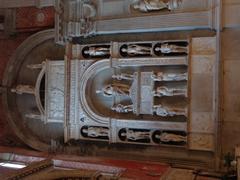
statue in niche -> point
(97, 51)
(96, 132)
(160, 76)
(171, 48)
(136, 135)
(23, 89)
(120, 108)
(114, 90)
(164, 91)
(123, 76)
(155, 5)
(164, 112)
(170, 137)
(134, 49)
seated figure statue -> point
(123, 76)
(96, 132)
(171, 137)
(97, 51)
(115, 90)
(165, 91)
(164, 112)
(136, 135)
(120, 108)
(134, 49)
(171, 48)
(155, 5)
(160, 76)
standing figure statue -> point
(136, 135)
(122, 108)
(164, 91)
(115, 90)
(36, 66)
(170, 137)
(24, 89)
(171, 48)
(96, 132)
(164, 112)
(97, 51)
(123, 76)
(160, 76)
(155, 5)
(134, 49)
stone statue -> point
(36, 66)
(35, 116)
(24, 89)
(122, 108)
(123, 76)
(134, 49)
(115, 90)
(96, 132)
(164, 91)
(160, 111)
(160, 76)
(170, 137)
(155, 5)
(136, 135)
(171, 48)
(97, 51)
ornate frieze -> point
(82, 18)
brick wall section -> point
(32, 19)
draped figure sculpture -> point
(155, 5)
(136, 135)
(23, 89)
(97, 51)
(117, 89)
(160, 76)
(170, 137)
(120, 108)
(165, 111)
(96, 132)
(123, 76)
(134, 49)
(171, 48)
(165, 91)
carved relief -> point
(54, 106)
(200, 141)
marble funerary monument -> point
(136, 91)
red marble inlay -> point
(34, 18)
